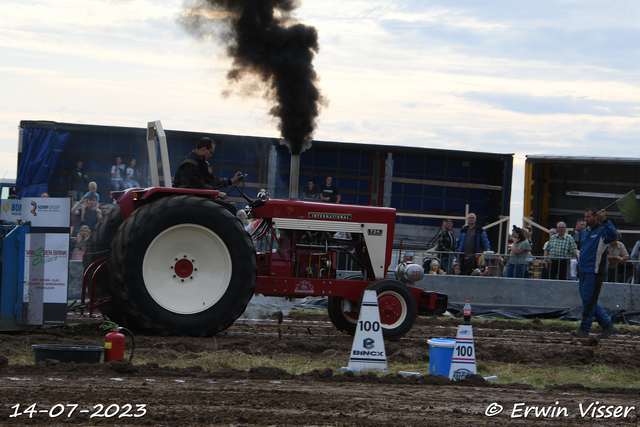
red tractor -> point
(172, 261)
(179, 263)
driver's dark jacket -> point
(193, 172)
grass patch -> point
(480, 320)
(594, 376)
(322, 311)
(238, 360)
(20, 357)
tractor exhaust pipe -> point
(294, 176)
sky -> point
(547, 77)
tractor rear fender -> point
(133, 198)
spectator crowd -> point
(86, 207)
(469, 253)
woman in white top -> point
(132, 175)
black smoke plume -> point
(264, 39)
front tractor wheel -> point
(398, 308)
(344, 313)
(396, 303)
(182, 265)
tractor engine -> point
(297, 239)
(302, 254)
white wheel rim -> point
(403, 307)
(165, 268)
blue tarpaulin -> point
(41, 149)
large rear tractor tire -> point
(182, 265)
(98, 247)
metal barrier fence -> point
(538, 267)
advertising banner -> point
(10, 210)
(46, 268)
(47, 211)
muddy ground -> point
(269, 396)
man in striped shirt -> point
(561, 247)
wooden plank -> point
(447, 183)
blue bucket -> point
(440, 354)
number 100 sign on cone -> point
(368, 351)
(463, 361)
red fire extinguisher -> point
(114, 342)
(113, 346)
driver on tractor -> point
(194, 173)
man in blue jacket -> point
(471, 241)
(591, 269)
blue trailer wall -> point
(422, 180)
